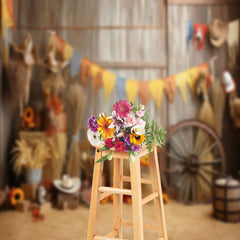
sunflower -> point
(137, 139)
(16, 195)
(104, 122)
(28, 115)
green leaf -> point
(104, 148)
(106, 157)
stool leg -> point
(117, 198)
(136, 199)
(97, 173)
(158, 202)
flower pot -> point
(33, 176)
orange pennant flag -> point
(85, 70)
(170, 87)
(144, 92)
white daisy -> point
(138, 129)
(94, 138)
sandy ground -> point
(183, 223)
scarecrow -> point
(19, 72)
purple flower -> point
(92, 124)
(136, 148)
(126, 148)
(127, 140)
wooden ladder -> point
(100, 192)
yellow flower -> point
(16, 195)
(104, 129)
(137, 139)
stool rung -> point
(107, 238)
(111, 234)
(115, 190)
(143, 180)
(149, 198)
(147, 226)
(104, 195)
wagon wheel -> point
(191, 159)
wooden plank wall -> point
(180, 59)
(104, 31)
(92, 27)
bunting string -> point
(128, 88)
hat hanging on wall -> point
(228, 82)
(218, 32)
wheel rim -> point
(192, 158)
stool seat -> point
(100, 192)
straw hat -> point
(67, 184)
(218, 32)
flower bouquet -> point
(126, 130)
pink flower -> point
(130, 120)
(140, 113)
(141, 122)
(122, 108)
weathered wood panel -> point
(181, 59)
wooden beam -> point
(83, 28)
(131, 65)
(205, 2)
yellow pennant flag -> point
(191, 78)
(109, 82)
(94, 70)
(67, 52)
(156, 89)
(131, 89)
(181, 84)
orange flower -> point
(104, 129)
(55, 104)
(16, 195)
(28, 115)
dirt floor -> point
(183, 223)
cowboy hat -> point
(218, 32)
(67, 184)
(228, 82)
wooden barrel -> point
(226, 199)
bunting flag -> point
(200, 33)
(156, 90)
(96, 75)
(121, 87)
(7, 24)
(64, 48)
(109, 82)
(170, 87)
(144, 92)
(181, 84)
(191, 77)
(85, 70)
(131, 89)
(75, 63)
(190, 32)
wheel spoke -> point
(176, 158)
(211, 162)
(190, 137)
(204, 177)
(187, 188)
(203, 143)
(193, 189)
(211, 171)
(176, 169)
(201, 186)
(196, 141)
(177, 147)
(184, 142)
(182, 184)
(208, 150)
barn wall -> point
(180, 59)
(91, 27)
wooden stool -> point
(100, 192)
